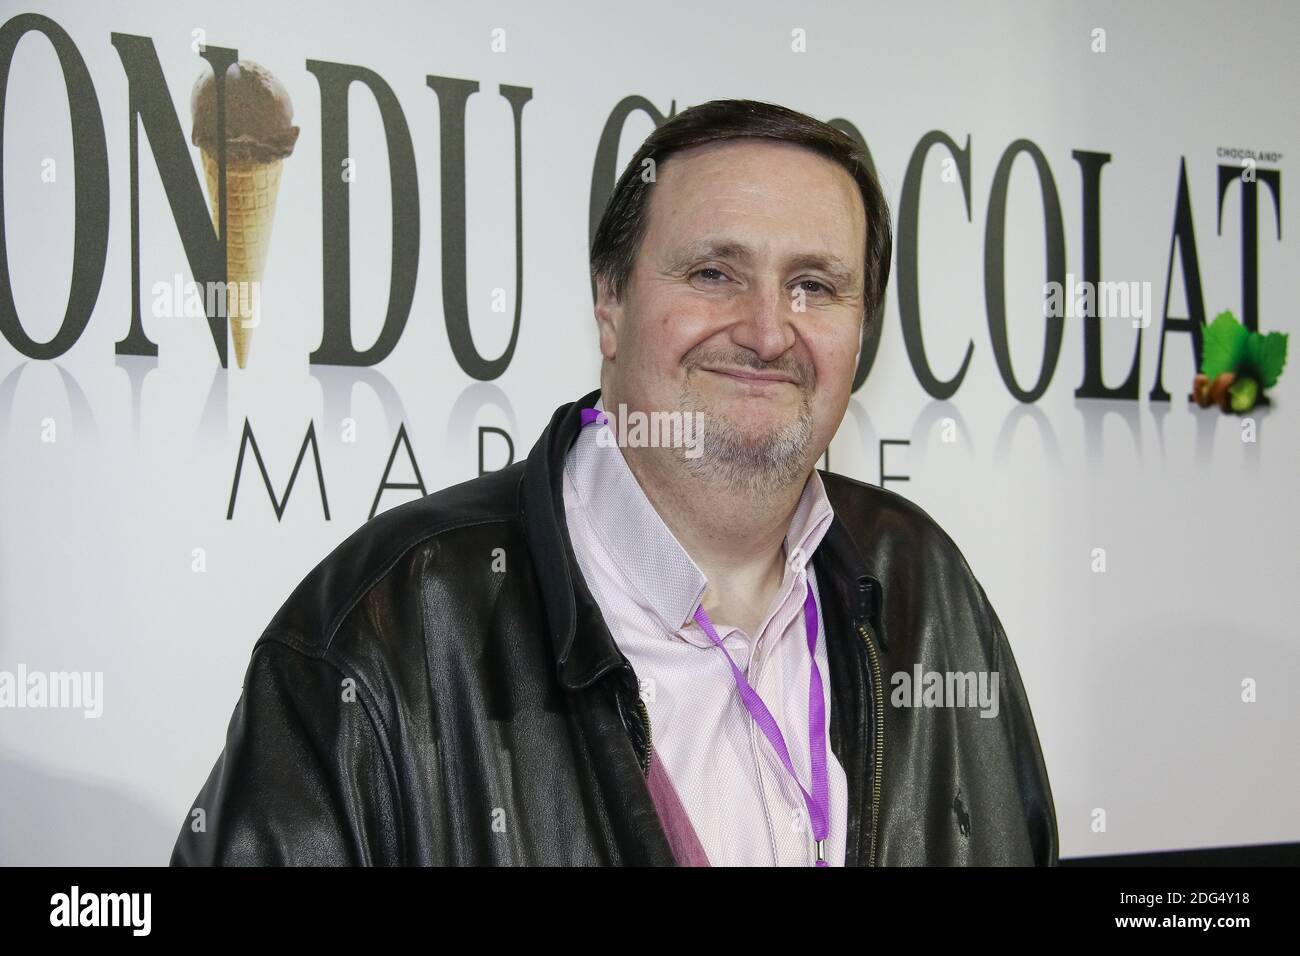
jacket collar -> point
(585, 649)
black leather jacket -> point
(442, 689)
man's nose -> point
(766, 324)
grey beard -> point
(755, 469)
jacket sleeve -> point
(1035, 789)
(305, 776)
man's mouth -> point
(751, 377)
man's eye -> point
(820, 287)
(700, 272)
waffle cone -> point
(251, 191)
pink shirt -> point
(745, 809)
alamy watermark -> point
(64, 690)
(1108, 300)
(946, 689)
(193, 300)
(637, 429)
(75, 908)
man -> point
(617, 652)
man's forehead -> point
(714, 221)
(740, 162)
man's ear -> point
(609, 319)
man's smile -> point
(753, 381)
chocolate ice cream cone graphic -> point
(259, 135)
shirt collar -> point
(641, 544)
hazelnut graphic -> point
(1219, 390)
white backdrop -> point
(116, 554)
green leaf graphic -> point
(1266, 354)
(1225, 345)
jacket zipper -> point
(878, 705)
(643, 758)
(645, 722)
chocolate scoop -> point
(259, 114)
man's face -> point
(745, 304)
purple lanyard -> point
(818, 801)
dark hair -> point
(624, 223)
